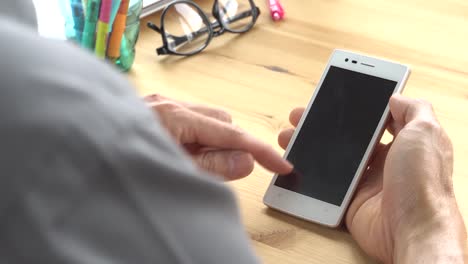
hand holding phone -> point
(391, 203)
(335, 137)
(404, 209)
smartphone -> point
(335, 137)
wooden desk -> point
(261, 75)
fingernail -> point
(234, 159)
(151, 97)
(240, 164)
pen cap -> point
(124, 7)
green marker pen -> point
(127, 56)
(89, 31)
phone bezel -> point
(312, 209)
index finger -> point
(295, 115)
(214, 133)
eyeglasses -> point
(186, 29)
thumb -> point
(405, 110)
(231, 164)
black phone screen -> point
(336, 133)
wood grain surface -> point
(261, 75)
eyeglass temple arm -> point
(163, 50)
(154, 27)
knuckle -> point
(421, 103)
(176, 119)
(225, 116)
(446, 142)
(237, 131)
(448, 150)
(218, 114)
(428, 105)
(427, 124)
(207, 161)
(167, 106)
(153, 98)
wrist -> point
(432, 236)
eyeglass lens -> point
(236, 15)
(187, 32)
(185, 29)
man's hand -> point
(404, 210)
(213, 142)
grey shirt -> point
(87, 174)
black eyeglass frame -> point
(219, 23)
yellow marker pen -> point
(103, 28)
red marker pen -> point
(276, 10)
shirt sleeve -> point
(89, 176)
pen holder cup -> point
(86, 25)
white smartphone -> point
(335, 137)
